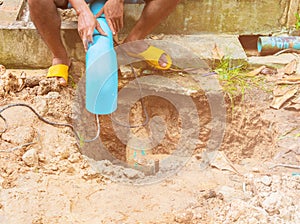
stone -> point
(75, 157)
(20, 135)
(52, 95)
(272, 203)
(50, 168)
(41, 105)
(42, 157)
(30, 158)
(271, 60)
(228, 193)
(63, 152)
(183, 217)
(266, 180)
(253, 220)
(132, 174)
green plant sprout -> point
(297, 24)
(234, 80)
(81, 140)
(72, 82)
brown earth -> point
(51, 181)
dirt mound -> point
(46, 179)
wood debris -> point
(257, 71)
(294, 104)
(287, 80)
(278, 101)
(221, 162)
(290, 68)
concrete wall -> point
(223, 16)
(21, 46)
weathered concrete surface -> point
(272, 60)
(241, 17)
(10, 10)
(223, 16)
(207, 46)
(22, 46)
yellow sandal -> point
(59, 70)
(152, 56)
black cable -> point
(5, 123)
(48, 122)
(71, 126)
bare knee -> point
(46, 3)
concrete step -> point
(22, 47)
(10, 10)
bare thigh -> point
(63, 4)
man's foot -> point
(61, 61)
(139, 47)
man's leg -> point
(153, 13)
(46, 19)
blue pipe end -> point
(259, 45)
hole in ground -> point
(247, 134)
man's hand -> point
(113, 10)
(87, 22)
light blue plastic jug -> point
(101, 69)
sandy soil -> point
(51, 181)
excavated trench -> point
(246, 135)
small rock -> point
(228, 193)
(90, 174)
(84, 164)
(126, 71)
(33, 91)
(63, 153)
(42, 157)
(255, 170)
(132, 174)
(183, 217)
(70, 170)
(20, 135)
(210, 194)
(63, 165)
(266, 180)
(30, 157)
(253, 220)
(46, 86)
(2, 92)
(272, 203)
(1, 181)
(75, 157)
(52, 95)
(2, 67)
(9, 82)
(52, 167)
(41, 105)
